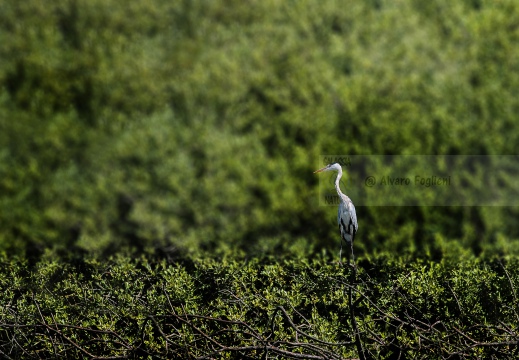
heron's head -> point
(329, 167)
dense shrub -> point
(215, 309)
(196, 125)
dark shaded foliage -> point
(126, 309)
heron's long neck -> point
(337, 180)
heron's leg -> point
(340, 253)
(347, 254)
(352, 255)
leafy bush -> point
(195, 125)
(206, 308)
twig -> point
(509, 281)
(287, 317)
(353, 278)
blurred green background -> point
(187, 126)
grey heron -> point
(346, 217)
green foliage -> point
(190, 309)
(190, 129)
(196, 125)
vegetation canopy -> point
(156, 188)
(197, 125)
(262, 308)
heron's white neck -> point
(337, 180)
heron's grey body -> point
(347, 219)
(346, 216)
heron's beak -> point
(318, 171)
